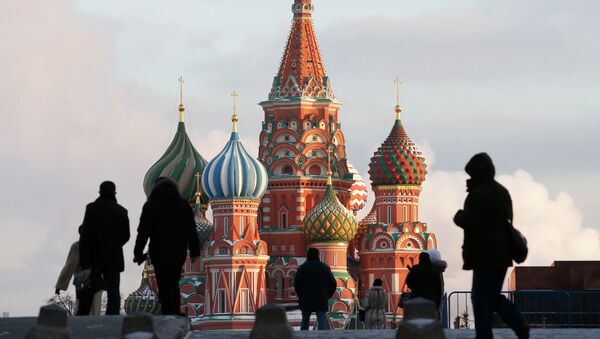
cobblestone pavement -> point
(389, 334)
(104, 327)
(109, 327)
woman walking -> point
(374, 303)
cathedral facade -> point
(300, 192)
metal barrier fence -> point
(546, 308)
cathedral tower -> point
(391, 235)
(301, 121)
(235, 257)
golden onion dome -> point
(329, 220)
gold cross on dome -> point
(234, 95)
(180, 90)
(398, 108)
(398, 83)
(234, 117)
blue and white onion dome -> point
(234, 173)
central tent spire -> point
(302, 72)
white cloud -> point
(69, 120)
(553, 225)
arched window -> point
(279, 285)
(293, 279)
(283, 216)
(314, 170)
(404, 213)
(241, 226)
(389, 214)
(225, 227)
(283, 220)
(222, 300)
(287, 170)
(267, 280)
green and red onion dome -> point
(329, 220)
(180, 162)
(143, 299)
(204, 228)
(397, 161)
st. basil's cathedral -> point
(300, 192)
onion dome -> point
(369, 219)
(204, 228)
(329, 220)
(143, 299)
(234, 173)
(180, 162)
(358, 190)
(397, 161)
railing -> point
(540, 308)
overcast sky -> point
(88, 91)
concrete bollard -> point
(271, 323)
(138, 326)
(420, 308)
(420, 321)
(52, 323)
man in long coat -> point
(314, 285)
(104, 231)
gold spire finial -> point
(198, 194)
(145, 271)
(181, 107)
(398, 109)
(329, 166)
(234, 117)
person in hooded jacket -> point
(102, 235)
(314, 284)
(486, 247)
(168, 221)
(439, 266)
(374, 305)
(424, 281)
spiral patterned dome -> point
(397, 161)
(180, 162)
(234, 173)
(358, 190)
(204, 228)
(329, 220)
(143, 299)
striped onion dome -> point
(234, 173)
(143, 299)
(397, 161)
(358, 190)
(180, 162)
(329, 220)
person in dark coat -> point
(168, 221)
(314, 285)
(424, 280)
(486, 247)
(104, 231)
